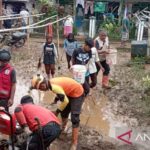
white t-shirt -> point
(103, 45)
(25, 15)
(91, 66)
(68, 22)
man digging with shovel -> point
(70, 93)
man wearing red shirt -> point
(27, 114)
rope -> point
(32, 27)
(15, 17)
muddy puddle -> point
(91, 116)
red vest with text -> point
(5, 82)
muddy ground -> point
(127, 102)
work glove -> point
(27, 131)
(57, 112)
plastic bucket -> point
(79, 72)
(112, 57)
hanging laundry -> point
(99, 7)
(81, 2)
(89, 5)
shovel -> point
(39, 64)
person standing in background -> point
(70, 44)
(68, 26)
(50, 56)
(25, 16)
(125, 30)
(82, 56)
(102, 46)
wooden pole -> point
(58, 42)
(58, 33)
(148, 50)
(1, 13)
(28, 37)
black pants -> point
(93, 78)
(68, 57)
(105, 66)
(74, 106)
(4, 103)
(86, 86)
(49, 133)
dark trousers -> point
(68, 57)
(93, 78)
(49, 133)
(105, 66)
(86, 86)
(74, 106)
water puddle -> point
(91, 116)
(22, 90)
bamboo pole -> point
(17, 16)
(148, 50)
(32, 27)
(58, 42)
(1, 13)
(28, 37)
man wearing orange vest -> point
(31, 117)
(7, 80)
(70, 93)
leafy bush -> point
(112, 29)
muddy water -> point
(92, 115)
(22, 89)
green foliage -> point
(43, 1)
(45, 7)
(112, 29)
(138, 65)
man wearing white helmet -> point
(7, 80)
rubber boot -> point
(75, 132)
(105, 82)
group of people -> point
(69, 92)
(93, 55)
(8, 12)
